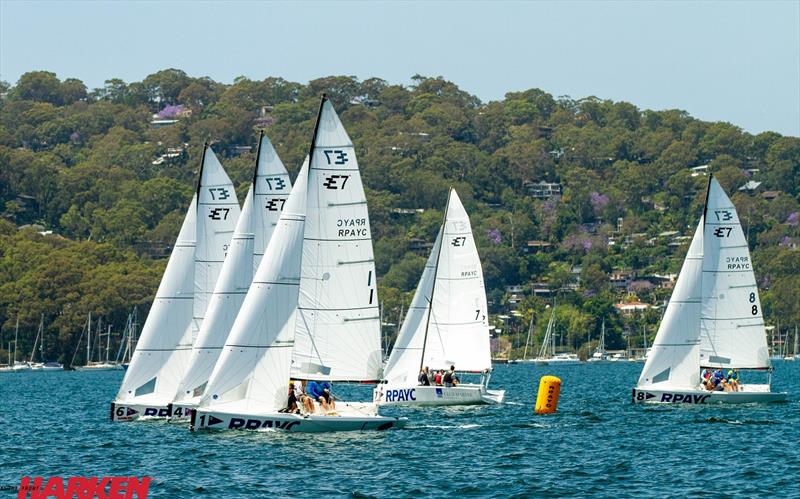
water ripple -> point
(597, 445)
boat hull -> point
(296, 423)
(704, 397)
(123, 412)
(100, 368)
(464, 394)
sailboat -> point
(165, 345)
(18, 366)
(126, 346)
(547, 354)
(446, 324)
(9, 368)
(524, 359)
(713, 319)
(260, 213)
(98, 365)
(600, 355)
(307, 313)
(793, 356)
(44, 365)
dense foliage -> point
(113, 187)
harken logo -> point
(108, 487)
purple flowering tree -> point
(494, 236)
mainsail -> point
(674, 359)
(253, 368)
(162, 353)
(338, 322)
(732, 325)
(260, 213)
(454, 329)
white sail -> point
(260, 214)
(162, 352)
(217, 213)
(338, 325)
(455, 331)
(732, 326)
(674, 360)
(272, 187)
(404, 361)
(253, 368)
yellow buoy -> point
(547, 399)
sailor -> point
(423, 377)
(437, 379)
(450, 378)
(733, 379)
(300, 394)
(328, 396)
(314, 390)
(291, 403)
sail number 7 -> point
(723, 231)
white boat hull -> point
(203, 419)
(701, 397)
(132, 412)
(463, 394)
(101, 367)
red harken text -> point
(109, 487)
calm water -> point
(597, 445)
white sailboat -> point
(600, 355)
(44, 365)
(793, 356)
(315, 240)
(547, 354)
(524, 359)
(18, 366)
(98, 365)
(713, 319)
(260, 213)
(162, 353)
(446, 324)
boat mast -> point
(41, 341)
(108, 341)
(16, 337)
(553, 332)
(35, 341)
(528, 339)
(89, 339)
(433, 286)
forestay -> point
(674, 360)
(457, 328)
(338, 326)
(732, 326)
(162, 352)
(260, 213)
(253, 369)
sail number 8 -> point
(754, 309)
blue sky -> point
(730, 61)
